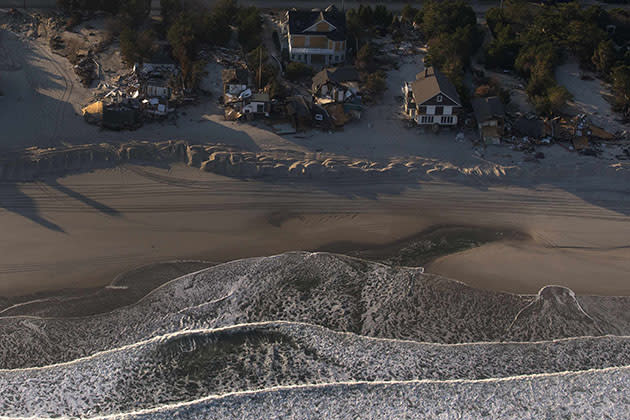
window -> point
(426, 119)
(447, 119)
(439, 98)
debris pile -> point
(86, 69)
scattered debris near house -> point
(337, 91)
(257, 104)
(336, 85)
(304, 114)
(431, 99)
(490, 116)
(86, 68)
(235, 82)
(142, 94)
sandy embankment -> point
(83, 230)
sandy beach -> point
(83, 230)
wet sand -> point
(84, 230)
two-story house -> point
(317, 37)
(431, 99)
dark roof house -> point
(489, 108)
(490, 115)
(317, 37)
(336, 75)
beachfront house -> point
(431, 99)
(316, 37)
(336, 85)
(490, 117)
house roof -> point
(336, 75)
(487, 108)
(235, 76)
(429, 83)
(301, 20)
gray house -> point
(490, 117)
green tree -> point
(249, 28)
(128, 49)
(408, 13)
(604, 57)
(296, 71)
(446, 16)
(621, 89)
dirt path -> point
(42, 96)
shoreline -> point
(84, 229)
(130, 286)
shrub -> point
(375, 84)
(296, 71)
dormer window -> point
(439, 98)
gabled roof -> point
(336, 75)
(429, 83)
(302, 20)
(240, 76)
(487, 108)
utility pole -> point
(260, 68)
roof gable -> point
(305, 21)
(430, 83)
(316, 27)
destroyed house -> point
(257, 103)
(317, 37)
(490, 116)
(157, 88)
(431, 99)
(336, 84)
(161, 63)
(235, 81)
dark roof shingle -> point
(335, 74)
(487, 108)
(429, 83)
